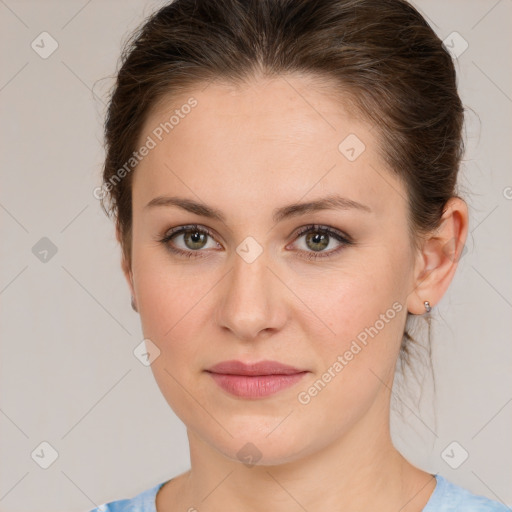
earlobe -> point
(439, 257)
(134, 304)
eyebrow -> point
(332, 202)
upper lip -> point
(234, 367)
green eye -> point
(317, 239)
(194, 237)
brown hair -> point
(381, 53)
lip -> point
(255, 380)
(266, 367)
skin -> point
(247, 151)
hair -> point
(379, 57)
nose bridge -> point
(250, 303)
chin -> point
(252, 445)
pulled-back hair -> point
(381, 56)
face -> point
(320, 289)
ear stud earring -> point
(427, 306)
(134, 307)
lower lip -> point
(256, 386)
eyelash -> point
(315, 228)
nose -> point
(251, 299)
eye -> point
(318, 238)
(194, 238)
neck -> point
(362, 470)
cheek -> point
(354, 298)
(172, 313)
(170, 295)
(172, 316)
(365, 311)
(364, 307)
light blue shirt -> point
(447, 497)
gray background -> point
(68, 374)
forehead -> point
(268, 139)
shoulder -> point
(450, 497)
(142, 502)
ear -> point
(439, 256)
(125, 265)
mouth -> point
(257, 380)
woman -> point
(282, 175)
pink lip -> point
(234, 367)
(254, 380)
